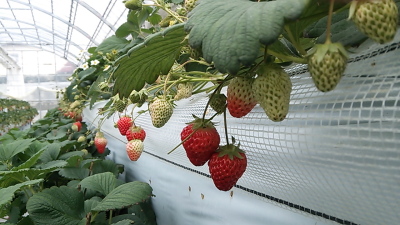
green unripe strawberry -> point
(75, 104)
(138, 97)
(375, 18)
(85, 152)
(81, 139)
(181, 11)
(184, 90)
(166, 21)
(120, 105)
(218, 103)
(326, 65)
(272, 89)
(160, 111)
(190, 4)
(133, 4)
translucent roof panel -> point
(63, 27)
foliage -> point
(48, 173)
(15, 113)
(201, 48)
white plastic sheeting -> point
(183, 196)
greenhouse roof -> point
(64, 27)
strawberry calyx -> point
(320, 50)
(99, 134)
(231, 150)
(201, 123)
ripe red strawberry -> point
(135, 132)
(76, 126)
(134, 149)
(240, 98)
(71, 115)
(100, 141)
(226, 166)
(202, 143)
(123, 124)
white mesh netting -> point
(336, 156)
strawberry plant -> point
(47, 172)
(210, 46)
(14, 114)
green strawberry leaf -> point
(51, 153)
(112, 43)
(129, 216)
(125, 195)
(12, 177)
(91, 203)
(106, 166)
(154, 19)
(84, 74)
(127, 28)
(124, 222)
(30, 162)
(68, 155)
(145, 212)
(146, 61)
(231, 31)
(74, 173)
(7, 194)
(342, 30)
(7, 151)
(57, 205)
(102, 182)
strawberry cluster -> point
(135, 136)
(201, 140)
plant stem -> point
(183, 141)
(31, 189)
(226, 128)
(287, 57)
(110, 217)
(215, 91)
(165, 85)
(328, 26)
(27, 195)
(294, 41)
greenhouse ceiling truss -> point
(29, 29)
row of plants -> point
(15, 113)
(52, 173)
(204, 46)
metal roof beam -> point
(59, 18)
(7, 61)
(40, 44)
(42, 28)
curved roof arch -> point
(64, 27)
(43, 46)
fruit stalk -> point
(328, 26)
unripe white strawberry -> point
(190, 4)
(272, 89)
(81, 139)
(184, 90)
(375, 18)
(134, 149)
(326, 65)
(160, 111)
